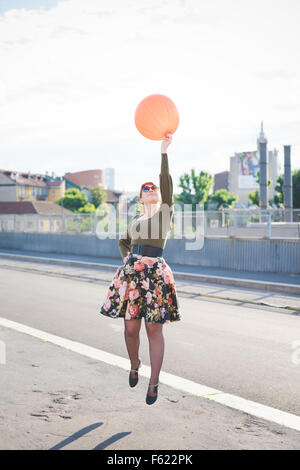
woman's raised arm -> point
(165, 179)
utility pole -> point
(287, 185)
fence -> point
(256, 223)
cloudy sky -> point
(73, 72)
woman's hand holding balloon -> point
(165, 143)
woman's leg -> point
(132, 339)
(156, 350)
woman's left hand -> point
(165, 143)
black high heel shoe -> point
(149, 398)
(134, 381)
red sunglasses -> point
(148, 186)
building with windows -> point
(19, 186)
(27, 216)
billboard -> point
(248, 166)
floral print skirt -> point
(143, 287)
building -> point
(243, 173)
(22, 216)
(17, 186)
(86, 180)
(221, 181)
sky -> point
(73, 73)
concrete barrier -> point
(244, 254)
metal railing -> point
(256, 223)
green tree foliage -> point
(195, 188)
(278, 199)
(254, 197)
(87, 209)
(220, 198)
(296, 189)
(73, 199)
(98, 196)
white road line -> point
(256, 409)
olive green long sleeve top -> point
(154, 230)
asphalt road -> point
(231, 346)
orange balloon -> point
(155, 116)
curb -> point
(179, 275)
(250, 283)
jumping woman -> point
(144, 286)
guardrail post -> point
(269, 226)
(234, 224)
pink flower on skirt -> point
(139, 265)
(133, 310)
(148, 261)
(123, 291)
(167, 278)
(145, 283)
(159, 271)
(117, 283)
(149, 297)
(133, 294)
(107, 304)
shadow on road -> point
(111, 440)
(75, 436)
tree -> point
(73, 199)
(254, 195)
(98, 196)
(195, 189)
(221, 198)
(87, 209)
(296, 189)
(278, 199)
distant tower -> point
(263, 182)
(109, 177)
